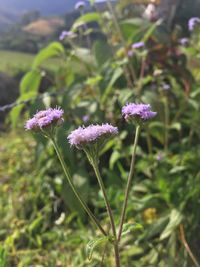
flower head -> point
(193, 22)
(139, 112)
(45, 118)
(166, 86)
(184, 41)
(92, 134)
(138, 45)
(67, 34)
(79, 5)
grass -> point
(11, 61)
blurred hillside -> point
(45, 7)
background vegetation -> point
(91, 77)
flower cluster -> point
(184, 41)
(91, 134)
(139, 112)
(67, 34)
(138, 45)
(45, 118)
(193, 22)
(79, 5)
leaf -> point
(35, 226)
(174, 220)
(131, 227)
(30, 82)
(114, 157)
(117, 73)
(151, 30)
(102, 52)
(157, 227)
(54, 49)
(15, 112)
(92, 244)
(86, 18)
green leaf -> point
(102, 52)
(54, 49)
(15, 112)
(174, 221)
(86, 18)
(114, 157)
(151, 30)
(92, 244)
(30, 82)
(117, 73)
(131, 227)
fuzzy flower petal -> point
(67, 34)
(184, 41)
(91, 134)
(45, 118)
(79, 5)
(193, 22)
(138, 45)
(138, 111)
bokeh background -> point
(91, 74)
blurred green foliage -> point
(42, 223)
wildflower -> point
(130, 53)
(67, 34)
(92, 134)
(138, 45)
(166, 86)
(184, 41)
(45, 118)
(86, 118)
(79, 5)
(193, 22)
(139, 112)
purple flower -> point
(184, 41)
(166, 86)
(79, 5)
(138, 111)
(130, 53)
(91, 134)
(138, 45)
(86, 118)
(45, 118)
(193, 22)
(67, 34)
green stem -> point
(166, 125)
(130, 177)
(118, 29)
(69, 179)
(94, 163)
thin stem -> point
(130, 67)
(187, 247)
(166, 108)
(109, 211)
(69, 179)
(130, 177)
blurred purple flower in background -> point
(138, 45)
(79, 5)
(184, 41)
(67, 34)
(45, 118)
(166, 86)
(91, 134)
(138, 111)
(86, 118)
(193, 22)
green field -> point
(10, 61)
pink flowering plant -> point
(91, 140)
